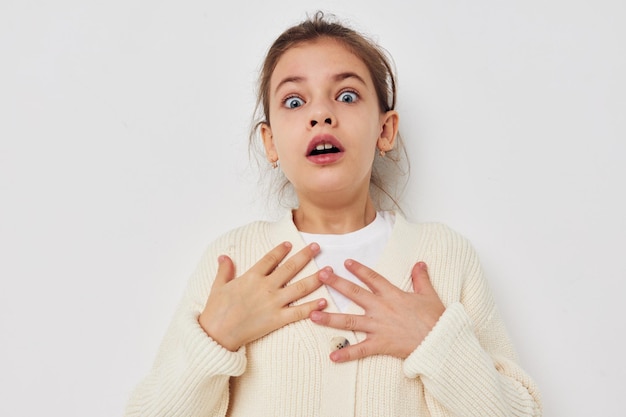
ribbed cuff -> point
(204, 353)
(429, 356)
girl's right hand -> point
(239, 311)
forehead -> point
(322, 58)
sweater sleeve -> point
(467, 363)
(190, 376)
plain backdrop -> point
(123, 153)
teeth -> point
(323, 146)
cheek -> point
(285, 144)
(370, 121)
(372, 131)
(286, 134)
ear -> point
(268, 143)
(388, 131)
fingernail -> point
(287, 244)
(221, 259)
(316, 315)
(422, 265)
(349, 262)
(314, 247)
(334, 356)
(321, 303)
(324, 274)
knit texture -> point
(465, 367)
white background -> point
(123, 153)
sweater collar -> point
(404, 246)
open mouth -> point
(324, 148)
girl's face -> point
(326, 124)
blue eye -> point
(348, 97)
(293, 102)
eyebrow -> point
(286, 80)
(345, 75)
(337, 77)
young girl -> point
(332, 311)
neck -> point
(329, 217)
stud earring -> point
(381, 153)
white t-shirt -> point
(364, 245)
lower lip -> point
(325, 159)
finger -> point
(302, 311)
(421, 279)
(374, 281)
(353, 352)
(354, 292)
(270, 260)
(299, 289)
(225, 271)
(342, 321)
(284, 273)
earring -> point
(275, 164)
(381, 153)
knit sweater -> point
(465, 367)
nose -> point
(322, 113)
(327, 120)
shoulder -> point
(453, 264)
(233, 243)
(432, 235)
(254, 228)
(440, 246)
(245, 245)
(248, 234)
(255, 237)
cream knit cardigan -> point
(465, 367)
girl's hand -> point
(395, 321)
(239, 311)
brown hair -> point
(376, 60)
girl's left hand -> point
(395, 321)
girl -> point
(332, 310)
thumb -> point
(225, 270)
(421, 279)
